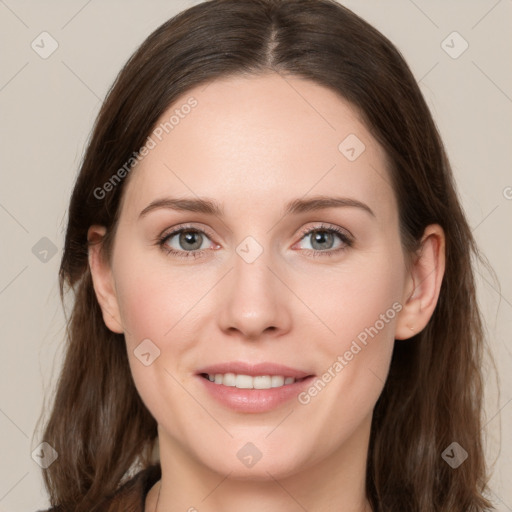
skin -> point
(252, 144)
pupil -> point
(321, 237)
(187, 237)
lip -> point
(254, 400)
(242, 368)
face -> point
(273, 276)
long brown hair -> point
(99, 425)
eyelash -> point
(347, 241)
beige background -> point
(48, 107)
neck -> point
(336, 482)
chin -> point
(266, 468)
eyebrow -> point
(210, 207)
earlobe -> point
(423, 284)
(102, 278)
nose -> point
(255, 302)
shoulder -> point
(131, 496)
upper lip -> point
(254, 369)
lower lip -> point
(254, 400)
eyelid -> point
(323, 226)
(185, 227)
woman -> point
(272, 277)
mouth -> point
(253, 388)
(241, 381)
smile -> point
(241, 381)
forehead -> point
(267, 138)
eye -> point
(323, 240)
(185, 242)
(190, 242)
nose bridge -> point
(251, 268)
(254, 300)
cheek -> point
(359, 297)
(157, 301)
(361, 307)
(156, 304)
(161, 304)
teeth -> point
(249, 382)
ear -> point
(423, 284)
(103, 280)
